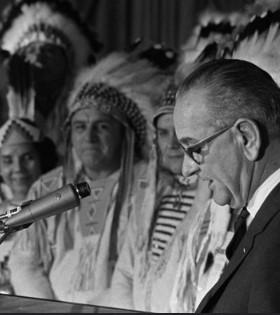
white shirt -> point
(261, 194)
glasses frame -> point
(190, 150)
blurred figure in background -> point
(210, 39)
(25, 154)
(258, 7)
(258, 43)
(71, 257)
(145, 270)
(48, 43)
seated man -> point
(71, 256)
(146, 267)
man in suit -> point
(227, 119)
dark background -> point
(119, 22)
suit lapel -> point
(266, 213)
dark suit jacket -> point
(251, 281)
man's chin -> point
(222, 199)
(95, 165)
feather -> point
(20, 95)
(45, 32)
(137, 78)
(259, 7)
(132, 77)
(40, 13)
(208, 40)
(213, 27)
(259, 43)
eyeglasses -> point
(194, 151)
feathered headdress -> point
(257, 7)
(209, 39)
(166, 103)
(48, 21)
(48, 44)
(19, 130)
(20, 127)
(259, 43)
(125, 87)
(133, 78)
(213, 26)
(158, 54)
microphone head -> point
(83, 189)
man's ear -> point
(249, 138)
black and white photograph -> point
(139, 156)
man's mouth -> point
(91, 148)
(175, 155)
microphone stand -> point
(8, 231)
(4, 236)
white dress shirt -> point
(261, 194)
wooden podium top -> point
(20, 304)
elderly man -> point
(227, 120)
(71, 256)
(144, 274)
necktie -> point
(240, 230)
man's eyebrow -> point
(85, 120)
(78, 120)
(8, 155)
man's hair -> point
(237, 89)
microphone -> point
(58, 201)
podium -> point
(20, 304)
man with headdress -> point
(71, 256)
(143, 276)
(48, 43)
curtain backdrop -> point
(119, 22)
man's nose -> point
(92, 134)
(173, 141)
(189, 167)
(17, 165)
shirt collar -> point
(261, 194)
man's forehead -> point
(191, 116)
(18, 148)
(90, 113)
(191, 105)
(165, 120)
